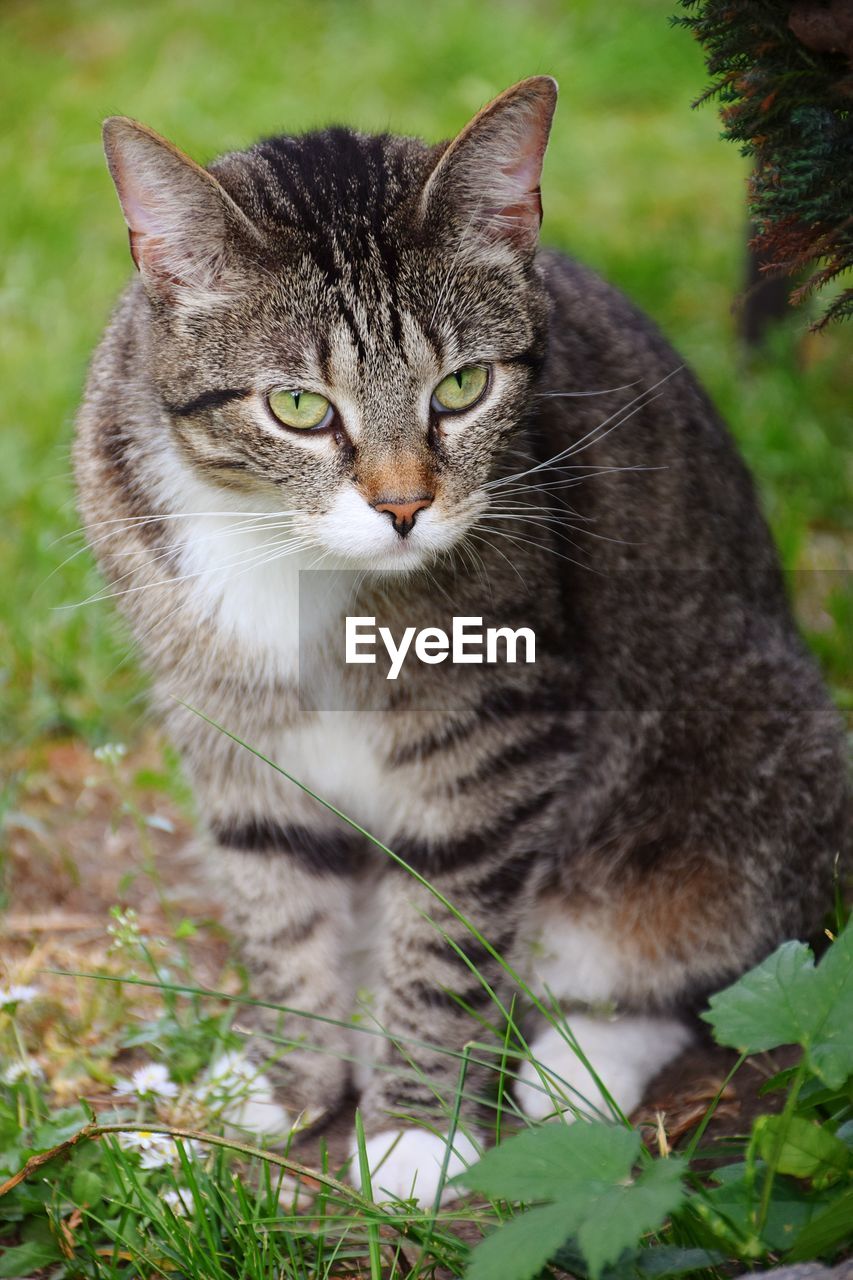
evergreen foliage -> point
(783, 74)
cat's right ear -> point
(182, 223)
(486, 182)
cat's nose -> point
(403, 511)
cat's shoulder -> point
(597, 328)
(594, 303)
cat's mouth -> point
(389, 535)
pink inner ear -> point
(521, 216)
(524, 174)
(134, 239)
(515, 209)
(523, 213)
(135, 214)
(140, 204)
(140, 214)
(526, 168)
(171, 239)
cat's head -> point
(346, 327)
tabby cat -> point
(346, 351)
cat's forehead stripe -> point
(340, 190)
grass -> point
(637, 184)
(142, 1179)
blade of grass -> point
(715, 1102)
(373, 1243)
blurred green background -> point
(636, 184)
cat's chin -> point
(352, 535)
(402, 559)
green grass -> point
(138, 1177)
(637, 184)
(149, 1184)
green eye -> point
(304, 410)
(461, 389)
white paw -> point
(406, 1164)
(624, 1053)
(244, 1097)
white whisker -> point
(160, 622)
(605, 391)
(163, 552)
(256, 555)
(549, 522)
(517, 538)
(488, 542)
(176, 548)
(132, 521)
(620, 415)
(544, 485)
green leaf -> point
(787, 1000)
(25, 1258)
(844, 1133)
(807, 1149)
(827, 1231)
(87, 1188)
(556, 1160)
(520, 1249)
(780, 1080)
(61, 1125)
(831, 1051)
(11, 1160)
(586, 1170)
(791, 1209)
(657, 1262)
(814, 1093)
(670, 1260)
(618, 1217)
(763, 1009)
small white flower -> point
(22, 1070)
(125, 931)
(241, 1094)
(14, 995)
(139, 1139)
(110, 752)
(160, 1156)
(156, 1150)
(151, 1081)
(180, 1201)
(231, 1076)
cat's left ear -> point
(487, 180)
(184, 227)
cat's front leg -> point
(438, 983)
(293, 923)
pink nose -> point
(403, 511)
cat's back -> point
(594, 322)
(641, 449)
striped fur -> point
(635, 818)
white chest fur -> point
(242, 572)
